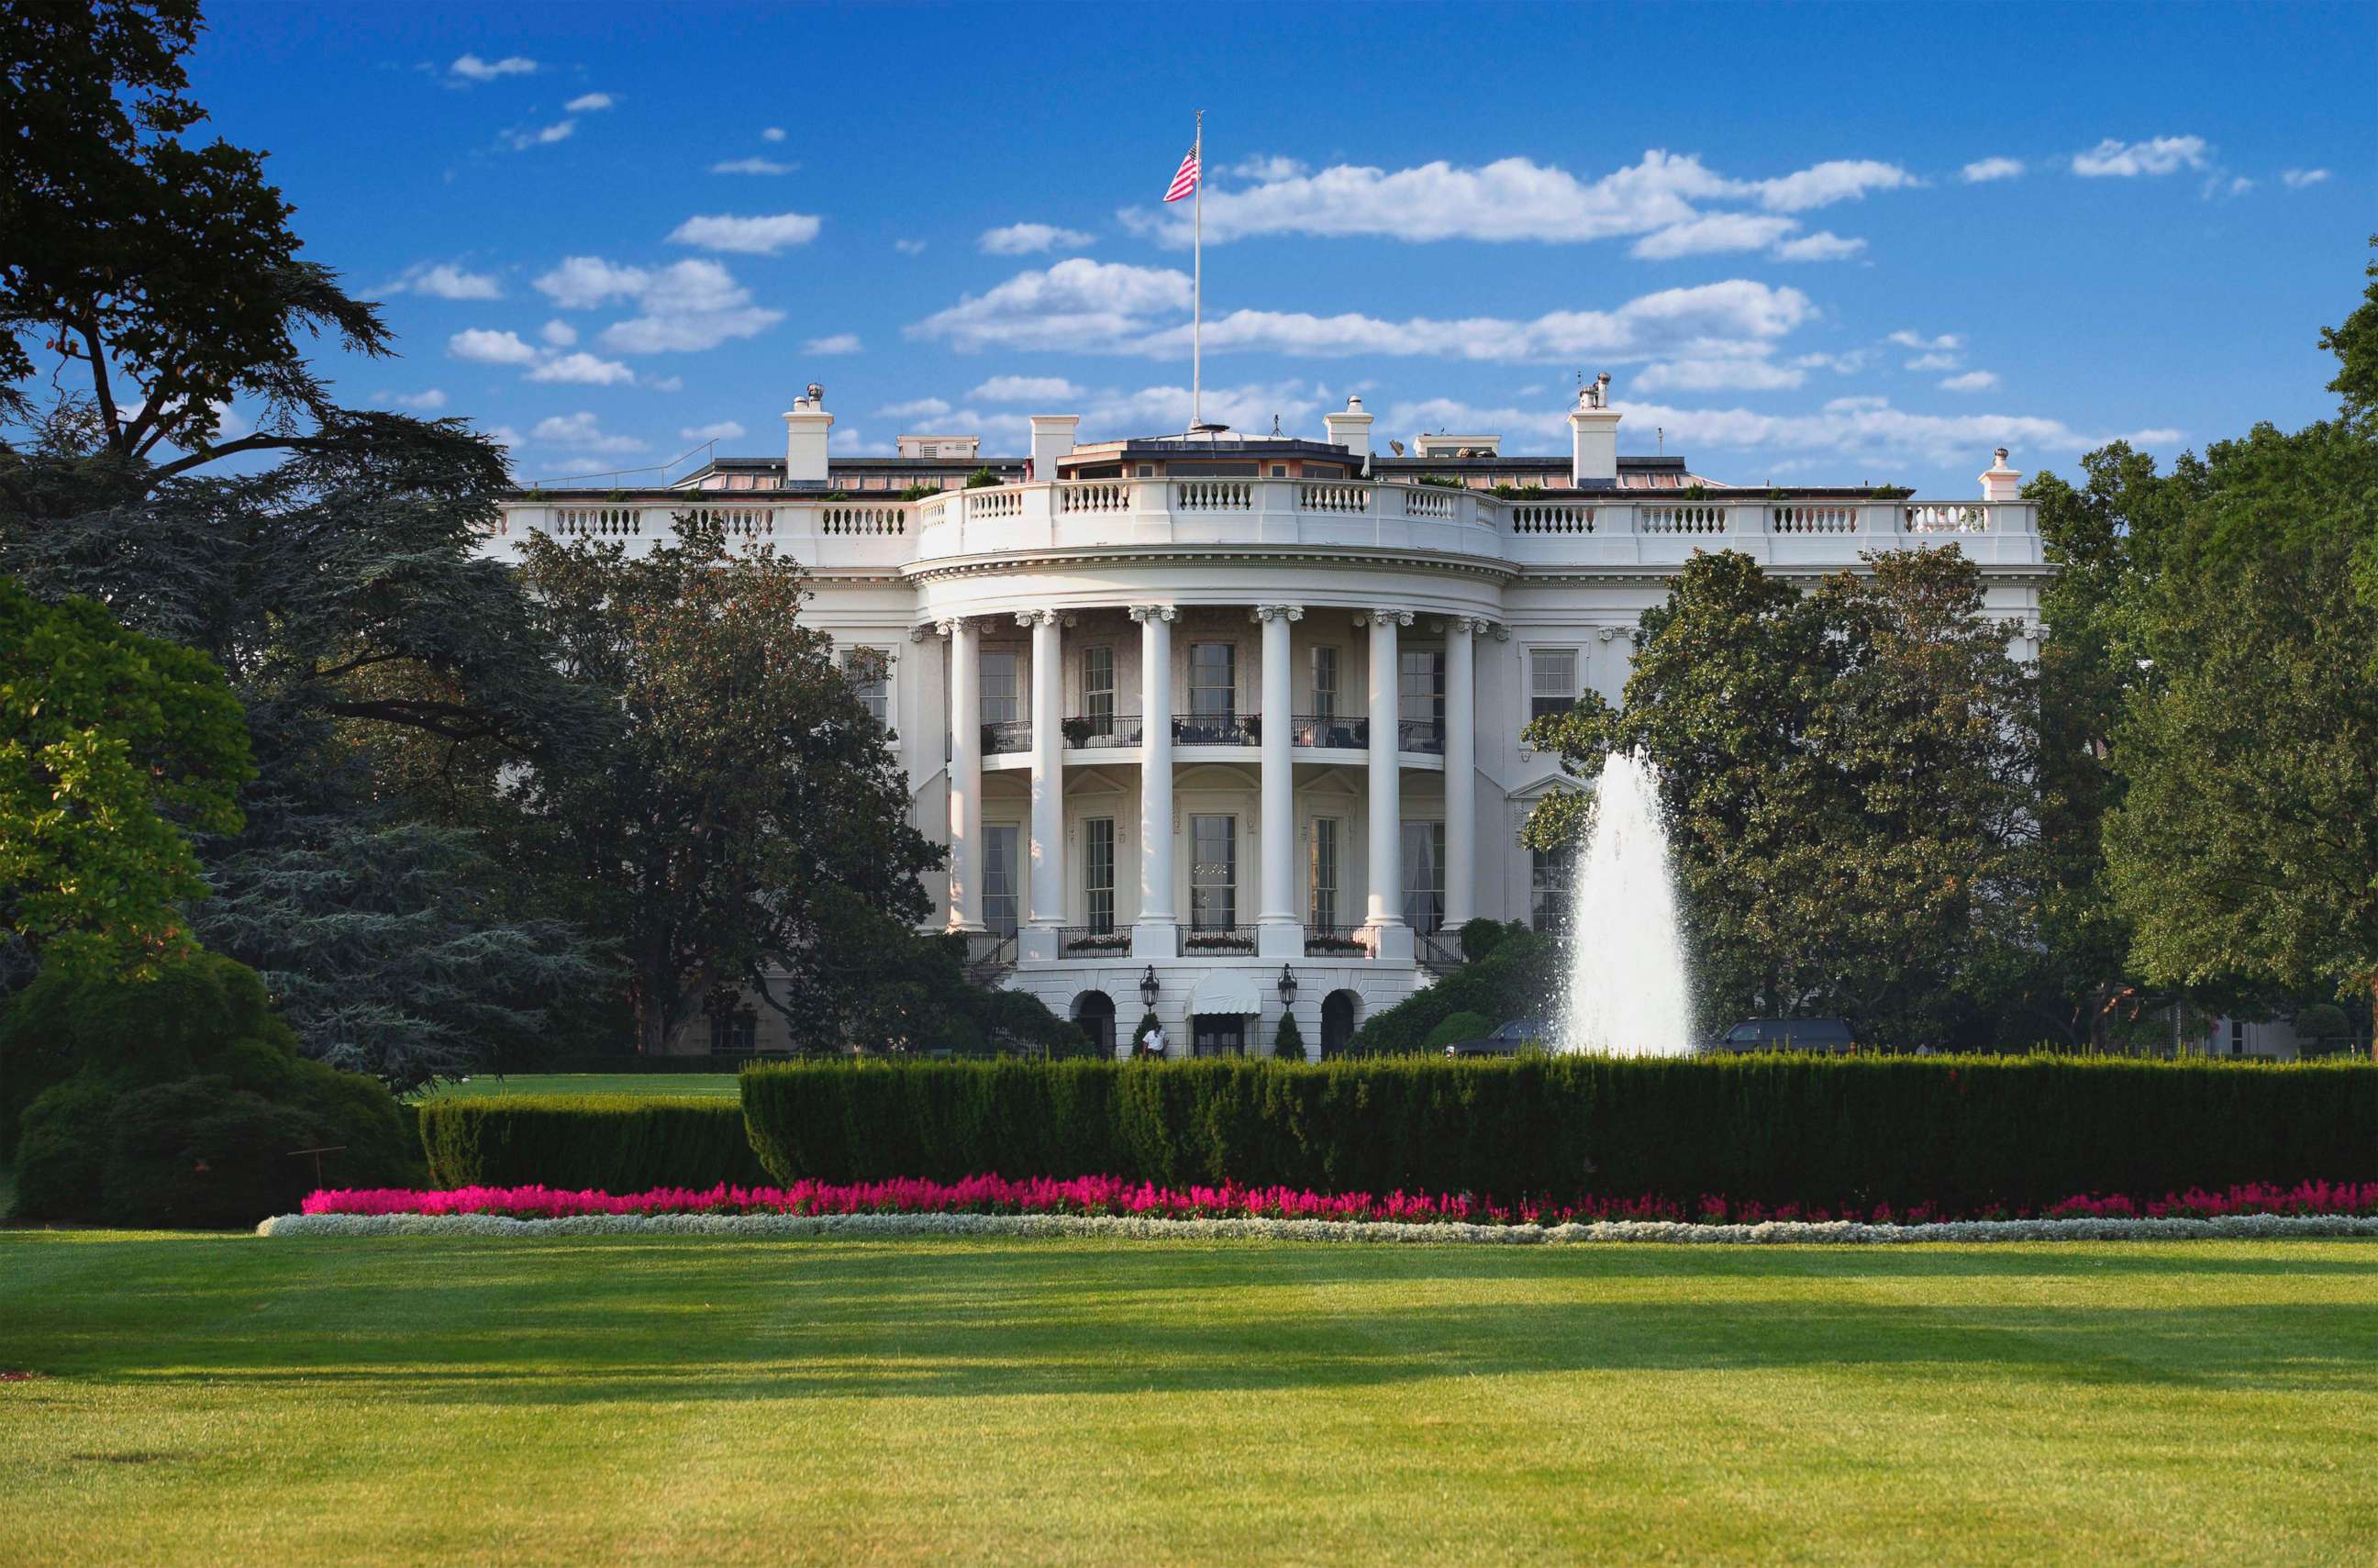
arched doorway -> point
(1094, 1012)
(1339, 1010)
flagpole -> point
(1197, 286)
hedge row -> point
(576, 1141)
(1966, 1134)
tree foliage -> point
(112, 746)
(1849, 778)
(744, 816)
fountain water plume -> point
(1628, 994)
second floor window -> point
(1325, 684)
(1098, 688)
(1213, 679)
(1552, 681)
(999, 692)
(869, 670)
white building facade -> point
(1235, 723)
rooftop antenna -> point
(1659, 435)
(1275, 425)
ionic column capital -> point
(1039, 617)
(952, 625)
(1383, 617)
(1146, 612)
(1478, 626)
(1289, 612)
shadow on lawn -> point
(568, 1323)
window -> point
(1218, 1034)
(999, 676)
(1097, 872)
(733, 1027)
(1324, 682)
(1213, 679)
(1425, 877)
(999, 897)
(1213, 872)
(1099, 689)
(1321, 878)
(1552, 681)
(869, 670)
(1551, 873)
(2237, 1037)
(1420, 686)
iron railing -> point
(1216, 728)
(1425, 735)
(1439, 952)
(1331, 732)
(1008, 735)
(990, 954)
(1336, 942)
(1085, 730)
(1208, 941)
(1086, 941)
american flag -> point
(1186, 180)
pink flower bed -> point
(1113, 1196)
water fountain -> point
(1627, 993)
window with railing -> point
(1097, 872)
(1098, 687)
(1321, 873)
(1213, 872)
(1552, 681)
(1001, 903)
(1424, 856)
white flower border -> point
(2232, 1227)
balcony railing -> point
(1217, 941)
(1216, 728)
(1085, 731)
(1329, 731)
(1439, 952)
(990, 954)
(1008, 735)
(1093, 941)
(1424, 735)
(1337, 942)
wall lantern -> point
(1287, 987)
(1147, 988)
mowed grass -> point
(234, 1399)
(642, 1085)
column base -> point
(1391, 943)
(1279, 939)
(1036, 945)
(1155, 939)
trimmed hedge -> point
(571, 1140)
(1966, 1134)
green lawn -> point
(647, 1085)
(230, 1399)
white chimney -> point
(2001, 482)
(1053, 438)
(807, 425)
(1593, 436)
(1351, 429)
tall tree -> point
(112, 746)
(1848, 779)
(745, 818)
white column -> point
(1157, 933)
(1460, 770)
(1392, 937)
(1039, 942)
(1280, 932)
(966, 776)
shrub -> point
(1148, 1022)
(1481, 937)
(2322, 1020)
(982, 479)
(200, 1153)
(1516, 979)
(61, 1152)
(610, 1143)
(1966, 1134)
(1289, 1044)
(1458, 1026)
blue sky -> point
(1814, 244)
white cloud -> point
(470, 67)
(583, 370)
(725, 431)
(1027, 239)
(1026, 388)
(909, 246)
(505, 436)
(2234, 185)
(773, 133)
(580, 432)
(1078, 303)
(1822, 246)
(914, 408)
(747, 236)
(560, 130)
(445, 281)
(1730, 373)
(2296, 179)
(837, 343)
(1908, 338)
(1971, 380)
(670, 384)
(481, 347)
(428, 402)
(1934, 362)
(2161, 155)
(751, 166)
(1822, 185)
(1266, 167)
(559, 334)
(1512, 199)
(1713, 231)
(1983, 170)
(686, 306)
(588, 103)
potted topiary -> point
(1289, 1044)
(1077, 732)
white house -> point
(1238, 717)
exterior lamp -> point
(1287, 987)
(1147, 988)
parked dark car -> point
(1507, 1041)
(1833, 1035)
